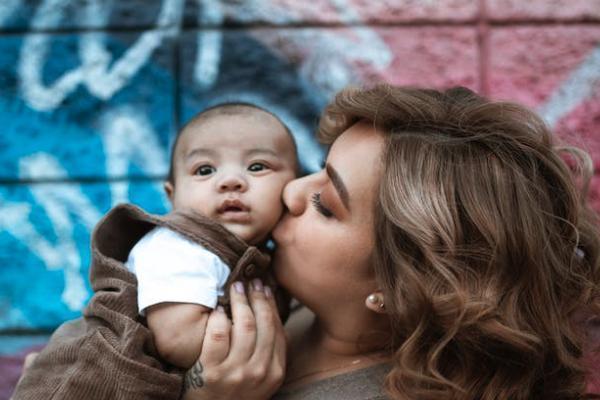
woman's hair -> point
(485, 247)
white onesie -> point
(171, 268)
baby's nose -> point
(232, 182)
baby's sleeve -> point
(171, 268)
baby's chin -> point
(248, 234)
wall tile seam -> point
(225, 28)
(83, 180)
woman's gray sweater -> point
(362, 384)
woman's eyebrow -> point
(338, 184)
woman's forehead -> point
(360, 145)
(356, 157)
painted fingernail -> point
(239, 287)
(257, 285)
(221, 309)
(268, 291)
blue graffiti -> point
(78, 148)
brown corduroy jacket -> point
(109, 353)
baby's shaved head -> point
(219, 110)
(230, 109)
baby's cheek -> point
(274, 212)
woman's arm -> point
(243, 359)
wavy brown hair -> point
(485, 246)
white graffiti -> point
(12, 317)
(250, 11)
(333, 52)
(129, 138)
(7, 8)
(94, 72)
(329, 63)
(329, 57)
(578, 87)
(428, 3)
(62, 203)
(328, 66)
(14, 218)
(208, 53)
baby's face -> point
(232, 168)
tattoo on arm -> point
(193, 378)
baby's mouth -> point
(233, 207)
(234, 211)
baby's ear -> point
(169, 190)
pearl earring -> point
(375, 300)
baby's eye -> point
(205, 170)
(257, 167)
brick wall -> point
(91, 94)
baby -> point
(229, 163)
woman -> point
(445, 252)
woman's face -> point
(325, 240)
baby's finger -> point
(243, 335)
(217, 338)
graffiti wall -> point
(93, 91)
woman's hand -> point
(245, 359)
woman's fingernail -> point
(239, 287)
(221, 309)
(268, 291)
(257, 285)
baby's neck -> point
(262, 246)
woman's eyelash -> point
(316, 200)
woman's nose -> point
(232, 182)
(297, 192)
